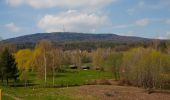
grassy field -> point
(72, 77)
(62, 79)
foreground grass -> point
(62, 79)
(35, 94)
(87, 92)
(20, 93)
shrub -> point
(145, 67)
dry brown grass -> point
(113, 92)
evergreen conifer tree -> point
(8, 66)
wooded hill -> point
(71, 40)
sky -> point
(143, 18)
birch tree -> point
(57, 61)
(41, 55)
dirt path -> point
(111, 92)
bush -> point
(145, 67)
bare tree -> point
(76, 57)
(99, 57)
(42, 54)
(57, 60)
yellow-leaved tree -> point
(23, 59)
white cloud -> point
(168, 33)
(140, 5)
(160, 37)
(12, 27)
(14, 2)
(146, 5)
(164, 36)
(1, 38)
(131, 11)
(164, 3)
(138, 23)
(123, 26)
(142, 22)
(167, 21)
(73, 21)
(61, 3)
(129, 33)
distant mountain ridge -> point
(75, 37)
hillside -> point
(68, 40)
(73, 37)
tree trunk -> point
(25, 83)
(45, 68)
(53, 70)
(53, 75)
(7, 80)
(25, 77)
(2, 79)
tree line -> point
(147, 67)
